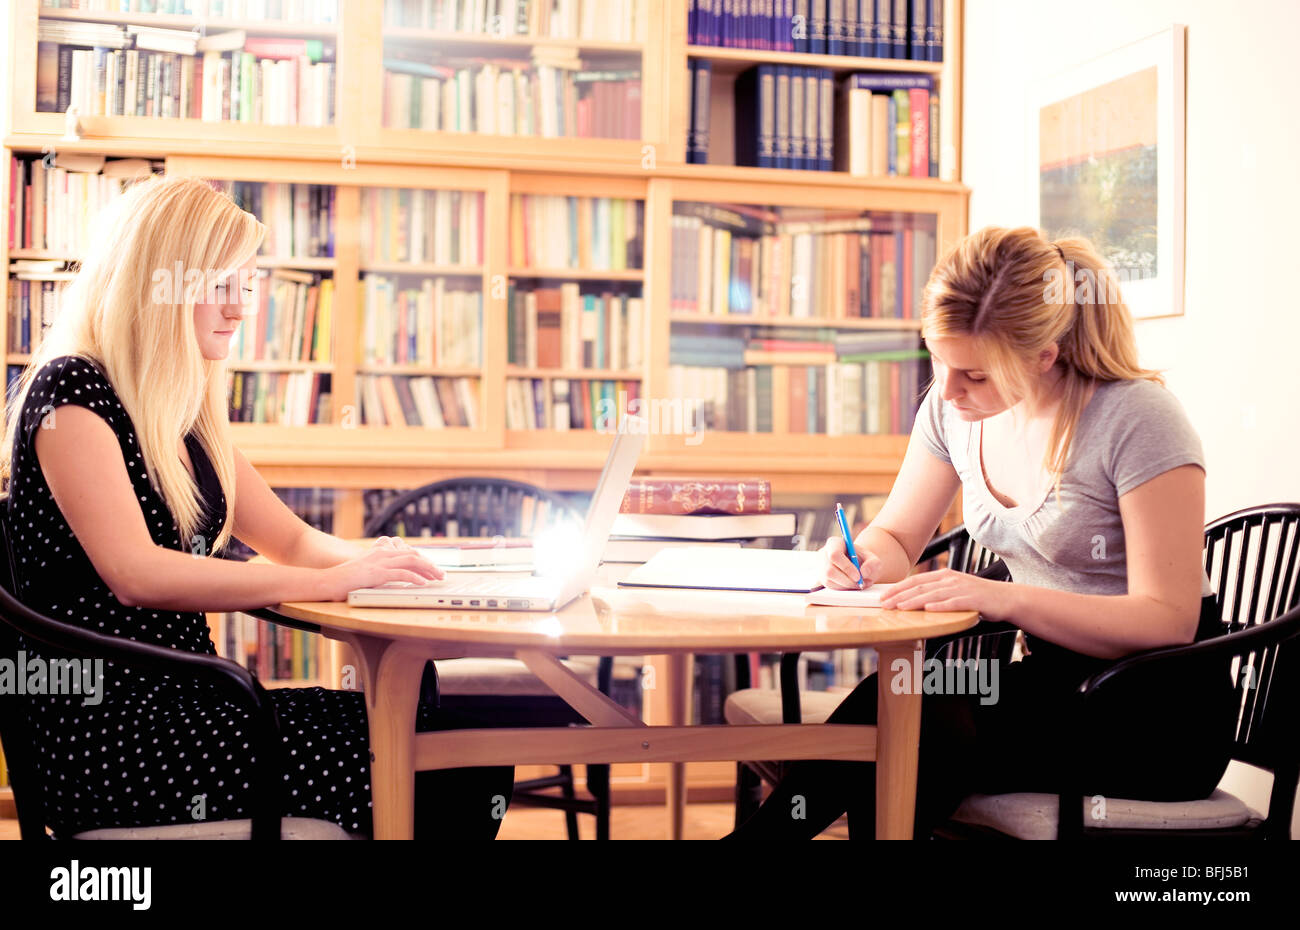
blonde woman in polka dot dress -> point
(124, 484)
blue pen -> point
(848, 543)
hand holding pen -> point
(845, 567)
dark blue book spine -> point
(799, 25)
(898, 29)
(692, 21)
(826, 119)
(916, 31)
(690, 132)
(851, 46)
(817, 27)
(835, 27)
(787, 27)
(884, 33)
(767, 116)
(703, 96)
(935, 26)
(782, 132)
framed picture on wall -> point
(1106, 141)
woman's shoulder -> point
(71, 374)
(1137, 397)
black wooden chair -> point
(750, 705)
(21, 627)
(1252, 558)
(499, 507)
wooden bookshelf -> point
(358, 152)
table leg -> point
(680, 685)
(898, 738)
(392, 680)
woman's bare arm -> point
(87, 476)
(1163, 539)
(264, 523)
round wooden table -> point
(392, 645)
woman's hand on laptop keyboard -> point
(380, 565)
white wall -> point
(1231, 357)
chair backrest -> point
(15, 735)
(472, 507)
(966, 555)
(1252, 558)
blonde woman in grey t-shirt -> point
(1083, 473)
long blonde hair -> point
(1014, 294)
(116, 314)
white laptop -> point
(549, 591)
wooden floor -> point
(642, 822)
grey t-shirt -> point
(1130, 432)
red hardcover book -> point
(549, 304)
(919, 108)
(878, 244)
(693, 495)
(798, 399)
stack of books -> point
(35, 291)
(560, 327)
(299, 218)
(54, 200)
(865, 28)
(802, 381)
(785, 118)
(442, 227)
(740, 260)
(890, 124)
(133, 70)
(609, 20)
(294, 320)
(433, 403)
(659, 513)
(548, 97)
(586, 233)
(432, 324)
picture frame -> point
(1106, 157)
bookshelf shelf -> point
(579, 274)
(813, 322)
(473, 42)
(429, 268)
(266, 27)
(42, 255)
(739, 59)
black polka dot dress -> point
(158, 748)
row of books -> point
(425, 325)
(609, 20)
(34, 297)
(843, 399)
(439, 226)
(728, 262)
(791, 346)
(567, 404)
(271, 652)
(395, 400)
(287, 398)
(890, 126)
(294, 320)
(590, 233)
(512, 98)
(140, 71)
(866, 28)
(299, 218)
(53, 201)
(785, 118)
(563, 328)
(314, 506)
(294, 11)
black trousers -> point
(1167, 739)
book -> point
(691, 495)
(775, 570)
(868, 28)
(867, 597)
(703, 526)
